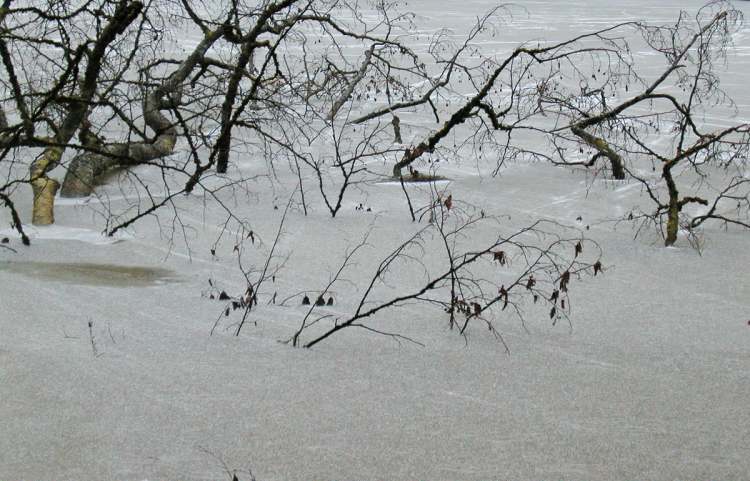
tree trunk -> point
(673, 224)
(674, 207)
(86, 168)
(44, 188)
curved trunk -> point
(44, 188)
(85, 169)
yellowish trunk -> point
(44, 188)
(44, 201)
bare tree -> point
(630, 129)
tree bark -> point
(673, 208)
(43, 187)
(44, 190)
(673, 224)
(601, 146)
(87, 168)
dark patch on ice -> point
(417, 177)
(109, 275)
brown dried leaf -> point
(564, 280)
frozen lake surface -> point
(109, 372)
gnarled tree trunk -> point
(86, 168)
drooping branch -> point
(457, 118)
(546, 260)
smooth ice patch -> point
(111, 275)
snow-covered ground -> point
(109, 372)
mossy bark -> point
(601, 146)
(673, 225)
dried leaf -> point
(564, 279)
(504, 295)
